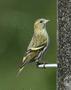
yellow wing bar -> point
(38, 48)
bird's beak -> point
(47, 21)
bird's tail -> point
(20, 70)
(21, 66)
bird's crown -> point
(40, 23)
(41, 20)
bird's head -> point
(40, 23)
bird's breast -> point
(41, 37)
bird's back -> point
(37, 41)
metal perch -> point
(47, 65)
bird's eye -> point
(41, 21)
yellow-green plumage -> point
(38, 44)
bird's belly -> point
(41, 39)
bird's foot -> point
(41, 63)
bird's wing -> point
(36, 48)
(37, 42)
(36, 45)
(30, 55)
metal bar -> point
(47, 65)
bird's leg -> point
(41, 63)
(38, 63)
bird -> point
(38, 44)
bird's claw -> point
(38, 63)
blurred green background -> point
(16, 28)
